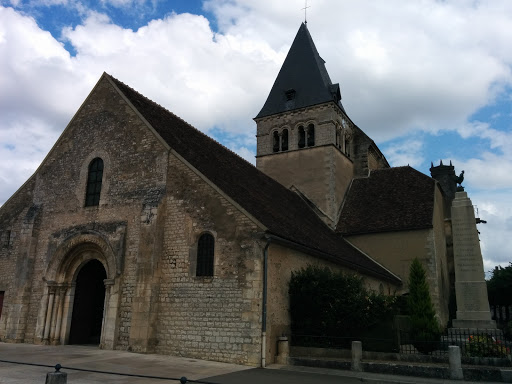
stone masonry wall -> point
(219, 317)
(17, 219)
(322, 172)
(134, 177)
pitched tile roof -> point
(282, 211)
(391, 199)
(304, 72)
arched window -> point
(284, 140)
(302, 137)
(275, 142)
(94, 178)
(205, 250)
(311, 135)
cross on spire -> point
(305, 10)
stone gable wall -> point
(219, 317)
(134, 178)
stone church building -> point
(139, 232)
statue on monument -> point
(459, 179)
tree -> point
(425, 331)
(499, 286)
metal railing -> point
(473, 343)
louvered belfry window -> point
(94, 179)
(205, 250)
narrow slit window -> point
(302, 137)
(2, 294)
(275, 142)
(94, 180)
(284, 140)
(6, 238)
(311, 135)
(205, 252)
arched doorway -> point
(87, 315)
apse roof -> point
(389, 199)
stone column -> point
(67, 312)
(41, 318)
(55, 316)
(60, 304)
(49, 312)
(109, 316)
(470, 287)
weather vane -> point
(305, 10)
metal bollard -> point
(56, 377)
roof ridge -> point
(178, 117)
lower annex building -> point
(139, 232)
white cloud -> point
(246, 154)
(495, 235)
(408, 152)
(403, 67)
(489, 169)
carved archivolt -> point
(78, 250)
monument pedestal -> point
(470, 288)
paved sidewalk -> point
(85, 357)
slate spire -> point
(302, 81)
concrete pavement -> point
(85, 357)
(88, 357)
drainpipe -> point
(264, 307)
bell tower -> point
(305, 140)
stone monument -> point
(470, 287)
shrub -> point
(425, 332)
(485, 346)
(333, 305)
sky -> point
(427, 80)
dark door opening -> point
(87, 315)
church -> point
(138, 232)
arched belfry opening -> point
(88, 305)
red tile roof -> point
(391, 199)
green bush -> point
(326, 305)
(425, 331)
(485, 346)
(507, 330)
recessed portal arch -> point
(80, 303)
